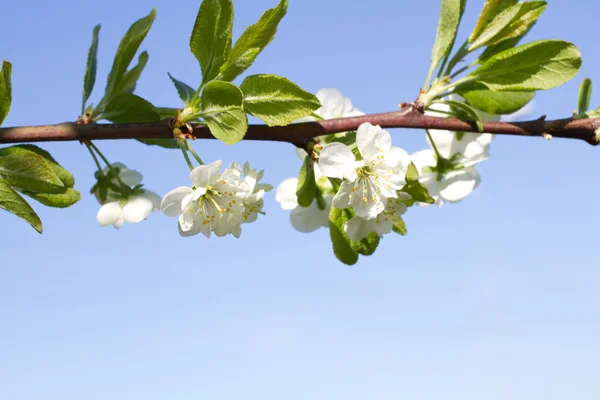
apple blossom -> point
(368, 182)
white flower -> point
(359, 228)
(130, 177)
(212, 204)
(303, 219)
(369, 182)
(333, 105)
(252, 192)
(134, 210)
(453, 178)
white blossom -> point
(303, 219)
(217, 202)
(370, 182)
(333, 105)
(454, 177)
(133, 210)
(359, 228)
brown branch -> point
(299, 134)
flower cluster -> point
(122, 197)
(309, 219)
(217, 201)
(447, 169)
(370, 182)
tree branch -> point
(299, 134)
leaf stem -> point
(87, 145)
(437, 152)
(108, 164)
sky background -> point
(493, 298)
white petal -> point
(109, 213)
(204, 175)
(119, 223)
(154, 198)
(359, 228)
(365, 201)
(445, 142)
(343, 196)
(130, 177)
(301, 153)
(398, 159)
(429, 180)
(137, 209)
(459, 184)
(372, 140)
(309, 219)
(337, 161)
(171, 203)
(286, 194)
(423, 158)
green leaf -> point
(585, 96)
(306, 189)
(366, 246)
(539, 65)
(399, 226)
(130, 78)
(65, 176)
(89, 78)
(186, 93)
(25, 169)
(129, 108)
(211, 37)
(164, 143)
(412, 174)
(254, 39)
(450, 16)
(222, 109)
(491, 8)
(66, 199)
(5, 90)
(496, 103)
(464, 112)
(511, 23)
(419, 192)
(129, 45)
(342, 246)
(15, 204)
(166, 112)
(276, 100)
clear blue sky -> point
(494, 298)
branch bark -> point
(299, 134)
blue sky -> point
(493, 298)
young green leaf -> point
(166, 112)
(342, 245)
(15, 204)
(254, 39)
(164, 143)
(464, 112)
(509, 24)
(491, 8)
(130, 78)
(129, 108)
(307, 185)
(186, 93)
(496, 103)
(5, 90)
(89, 78)
(450, 16)
(418, 191)
(276, 100)
(66, 199)
(539, 65)
(366, 246)
(65, 176)
(211, 37)
(24, 169)
(585, 96)
(222, 109)
(127, 48)
(412, 173)
(399, 226)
